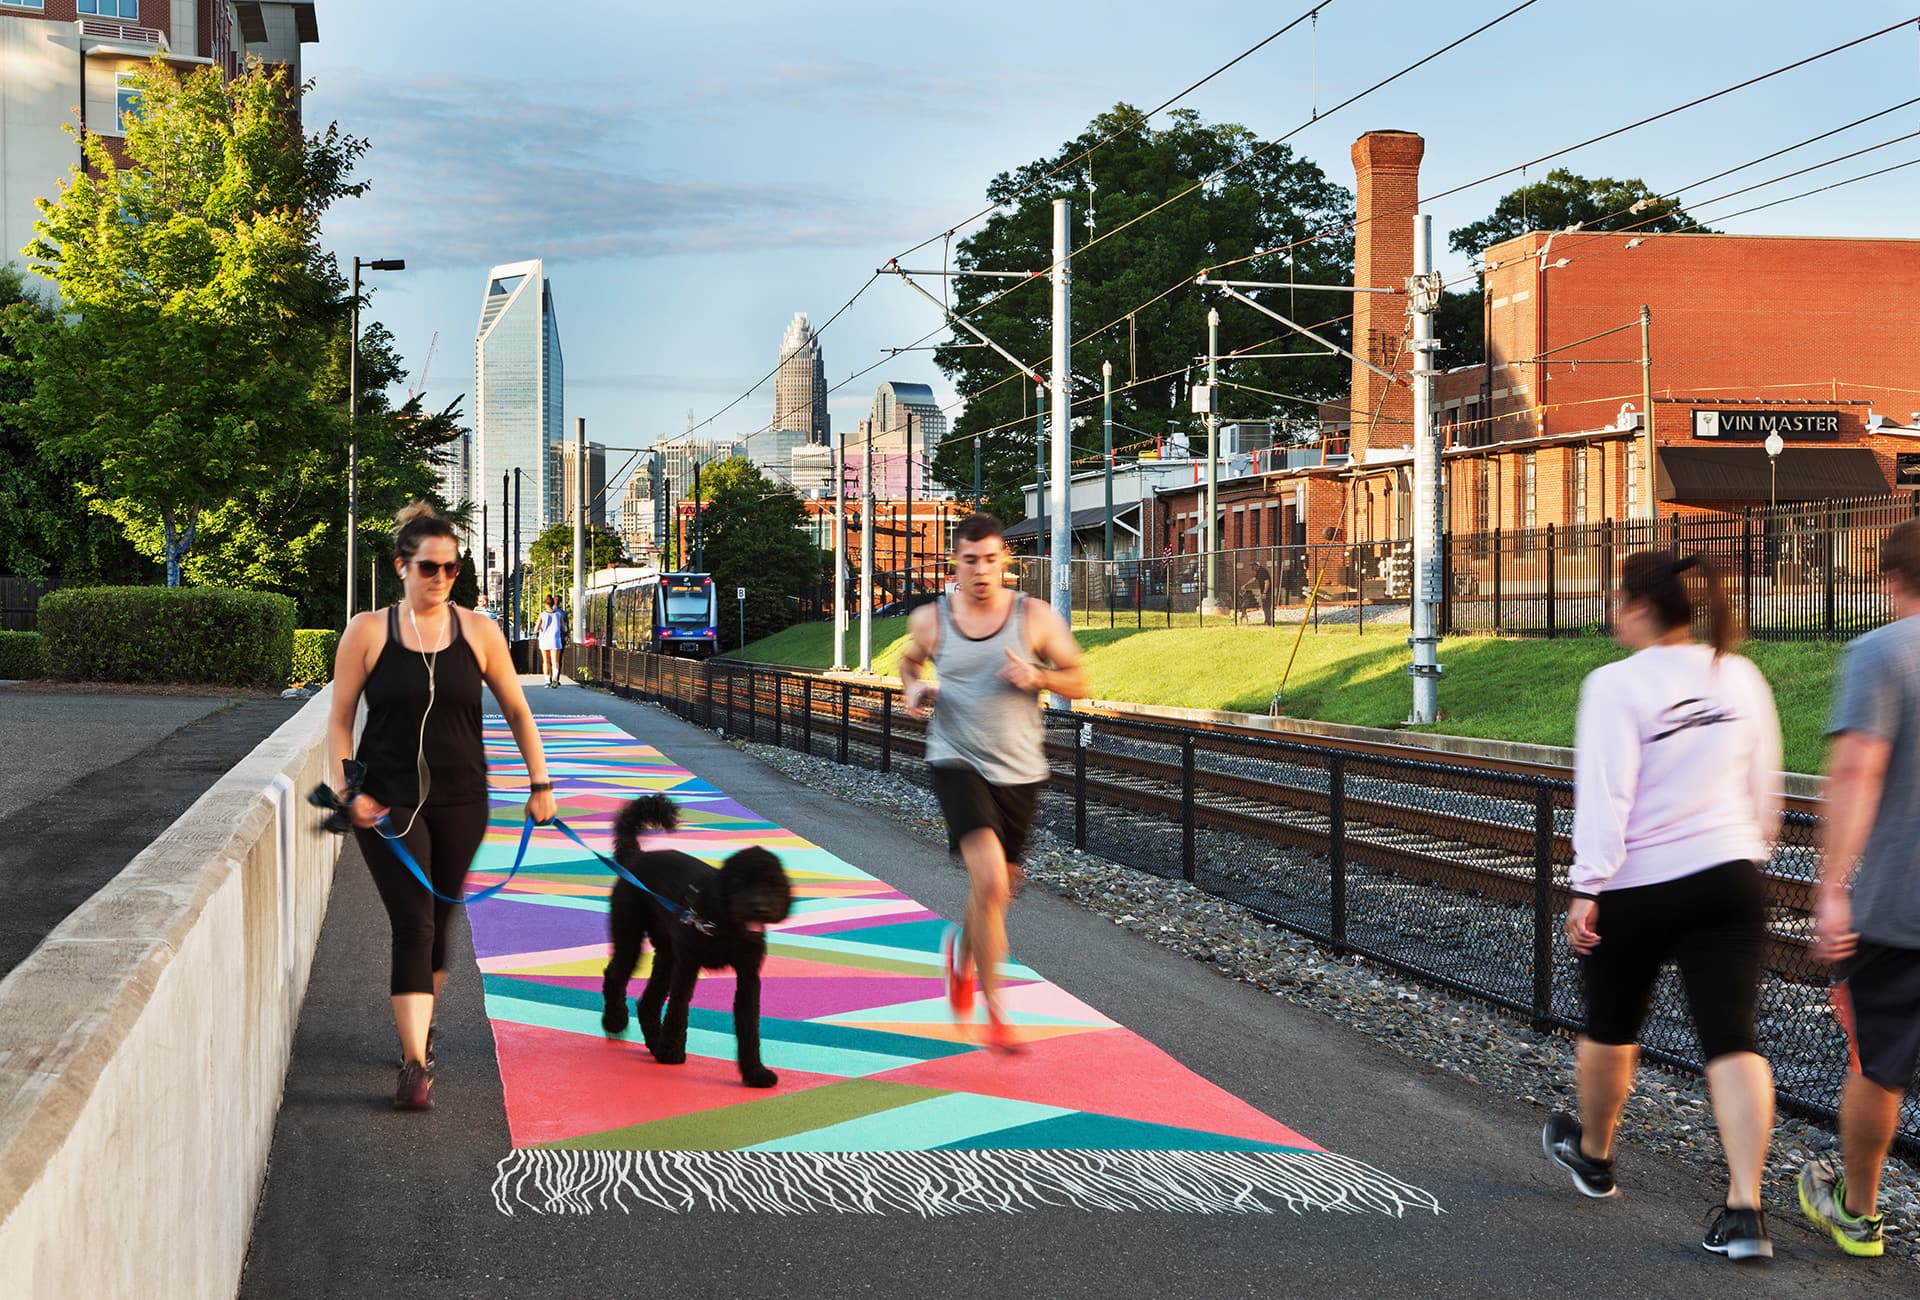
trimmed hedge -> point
(313, 650)
(23, 656)
(168, 634)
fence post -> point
(846, 707)
(1746, 571)
(1828, 566)
(1082, 736)
(1186, 807)
(1337, 850)
(1551, 601)
(779, 690)
(1496, 577)
(730, 726)
(753, 708)
(1542, 905)
(1606, 575)
(886, 731)
(706, 678)
(806, 715)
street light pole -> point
(1775, 445)
(353, 415)
(840, 554)
(1207, 548)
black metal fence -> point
(1449, 872)
(19, 604)
(1801, 572)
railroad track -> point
(1389, 818)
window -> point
(126, 96)
(1527, 491)
(110, 8)
(1577, 491)
(23, 4)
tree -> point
(197, 301)
(1459, 325)
(47, 533)
(1271, 198)
(755, 539)
(550, 560)
(1563, 198)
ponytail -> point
(1658, 577)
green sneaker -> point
(1823, 1199)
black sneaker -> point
(414, 1090)
(1560, 1139)
(1738, 1234)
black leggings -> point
(443, 841)
(1713, 925)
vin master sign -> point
(1754, 426)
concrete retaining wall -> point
(144, 1044)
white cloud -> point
(472, 170)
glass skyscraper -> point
(519, 386)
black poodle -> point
(721, 921)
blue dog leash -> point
(407, 860)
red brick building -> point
(1811, 338)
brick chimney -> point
(1386, 167)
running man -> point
(992, 650)
(1872, 932)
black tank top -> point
(396, 696)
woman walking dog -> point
(1676, 805)
(424, 768)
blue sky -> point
(693, 175)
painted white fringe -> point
(929, 1183)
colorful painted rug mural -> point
(884, 1105)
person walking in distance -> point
(424, 769)
(1871, 931)
(992, 651)
(551, 632)
(1676, 806)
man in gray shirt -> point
(1872, 932)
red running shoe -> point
(959, 980)
(999, 1035)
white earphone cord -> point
(421, 775)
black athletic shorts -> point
(1877, 995)
(1712, 924)
(970, 803)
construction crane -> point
(419, 384)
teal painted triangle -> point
(1086, 1131)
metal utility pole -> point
(483, 553)
(866, 558)
(1646, 502)
(1207, 543)
(1423, 300)
(1062, 503)
(1039, 465)
(1106, 423)
(906, 587)
(976, 473)
(699, 520)
(840, 555)
(506, 565)
(579, 522)
(517, 574)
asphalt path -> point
(102, 776)
(360, 1200)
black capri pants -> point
(1713, 925)
(443, 840)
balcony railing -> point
(105, 31)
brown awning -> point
(1741, 474)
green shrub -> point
(313, 649)
(162, 634)
(23, 656)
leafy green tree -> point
(287, 533)
(197, 301)
(47, 533)
(755, 539)
(1562, 198)
(1271, 198)
(550, 560)
(1459, 325)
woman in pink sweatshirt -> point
(1676, 806)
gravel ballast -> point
(1668, 1112)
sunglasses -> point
(434, 568)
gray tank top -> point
(981, 719)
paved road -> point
(87, 781)
(360, 1200)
